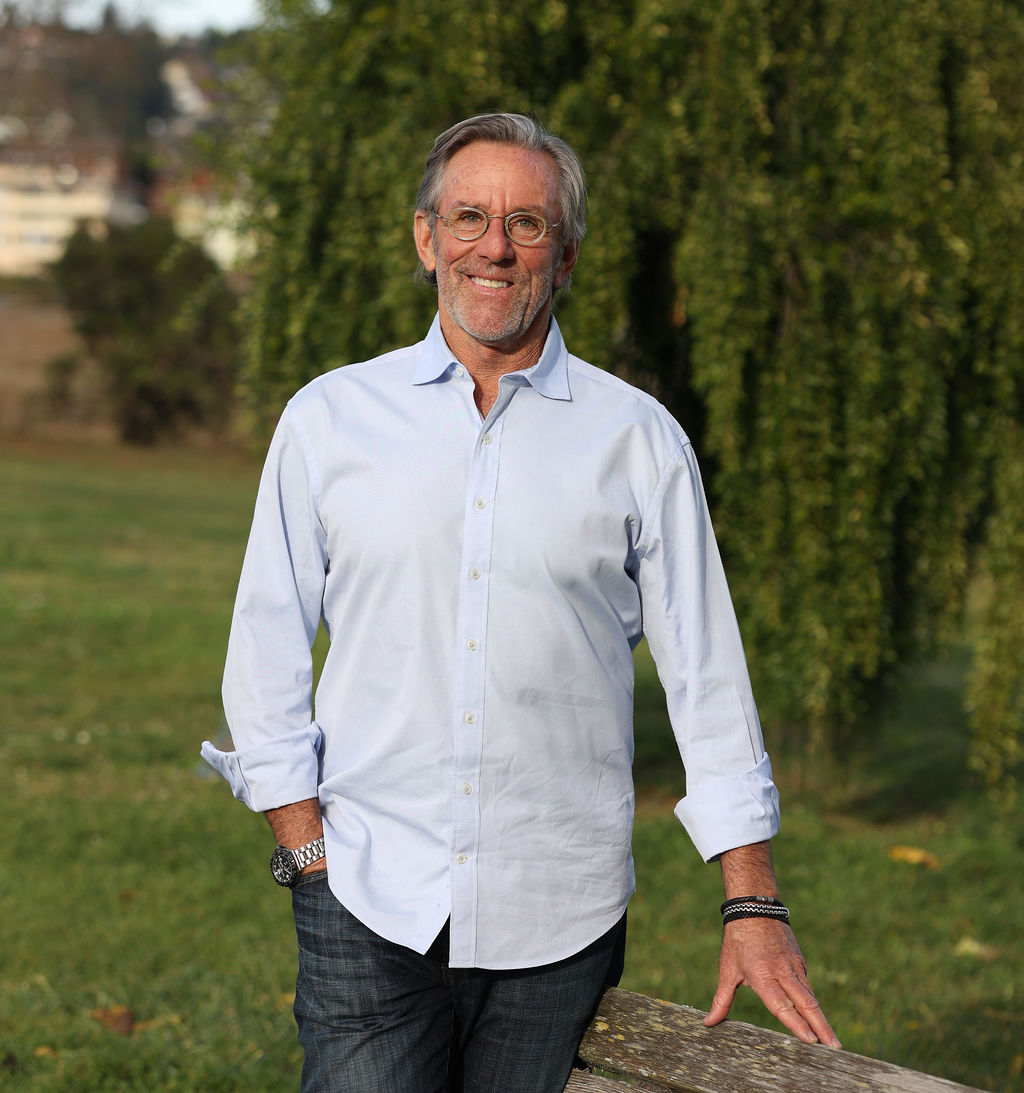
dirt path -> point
(32, 333)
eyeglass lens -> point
(468, 224)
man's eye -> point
(470, 217)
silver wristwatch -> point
(286, 864)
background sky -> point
(169, 17)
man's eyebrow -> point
(459, 203)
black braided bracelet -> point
(754, 907)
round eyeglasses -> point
(468, 223)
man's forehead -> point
(484, 171)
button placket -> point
(469, 721)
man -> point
(487, 525)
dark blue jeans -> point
(377, 1017)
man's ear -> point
(423, 233)
(570, 252)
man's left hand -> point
(763, 954)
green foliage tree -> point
(985, 89)
(801, 212)
(158, 316)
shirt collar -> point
(549, 376)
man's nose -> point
(494, 243)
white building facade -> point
(41, 204)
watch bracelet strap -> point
(311, 852)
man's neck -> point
(487, 363)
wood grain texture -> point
(582, 1082)
(666, 1047)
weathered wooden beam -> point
(582, 1082)
(667, 1047)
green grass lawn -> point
(144, 948)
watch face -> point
(282, 865)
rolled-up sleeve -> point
(691, 629)
(268, 674)
(724, 813)
(280, 772)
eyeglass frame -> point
(488, 217)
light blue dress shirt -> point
(484, 583)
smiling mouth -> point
(486, 283)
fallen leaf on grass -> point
(913, 855)
(969, 946)
(44, 1051)
(119, 1019)
(158, 1022)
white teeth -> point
(489, 284)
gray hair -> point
(516, 131)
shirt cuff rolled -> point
(272, 774)
(723, 813)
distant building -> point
(203, 214)
(185, 189)
(183, 81)
(47, 191)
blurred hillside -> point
(61, 81)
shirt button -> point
(480, 503)
(488, 439)
(475, 573)
(472, 645)
(460, 371)
(467, 788)
(461, 858)
(469, 717)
